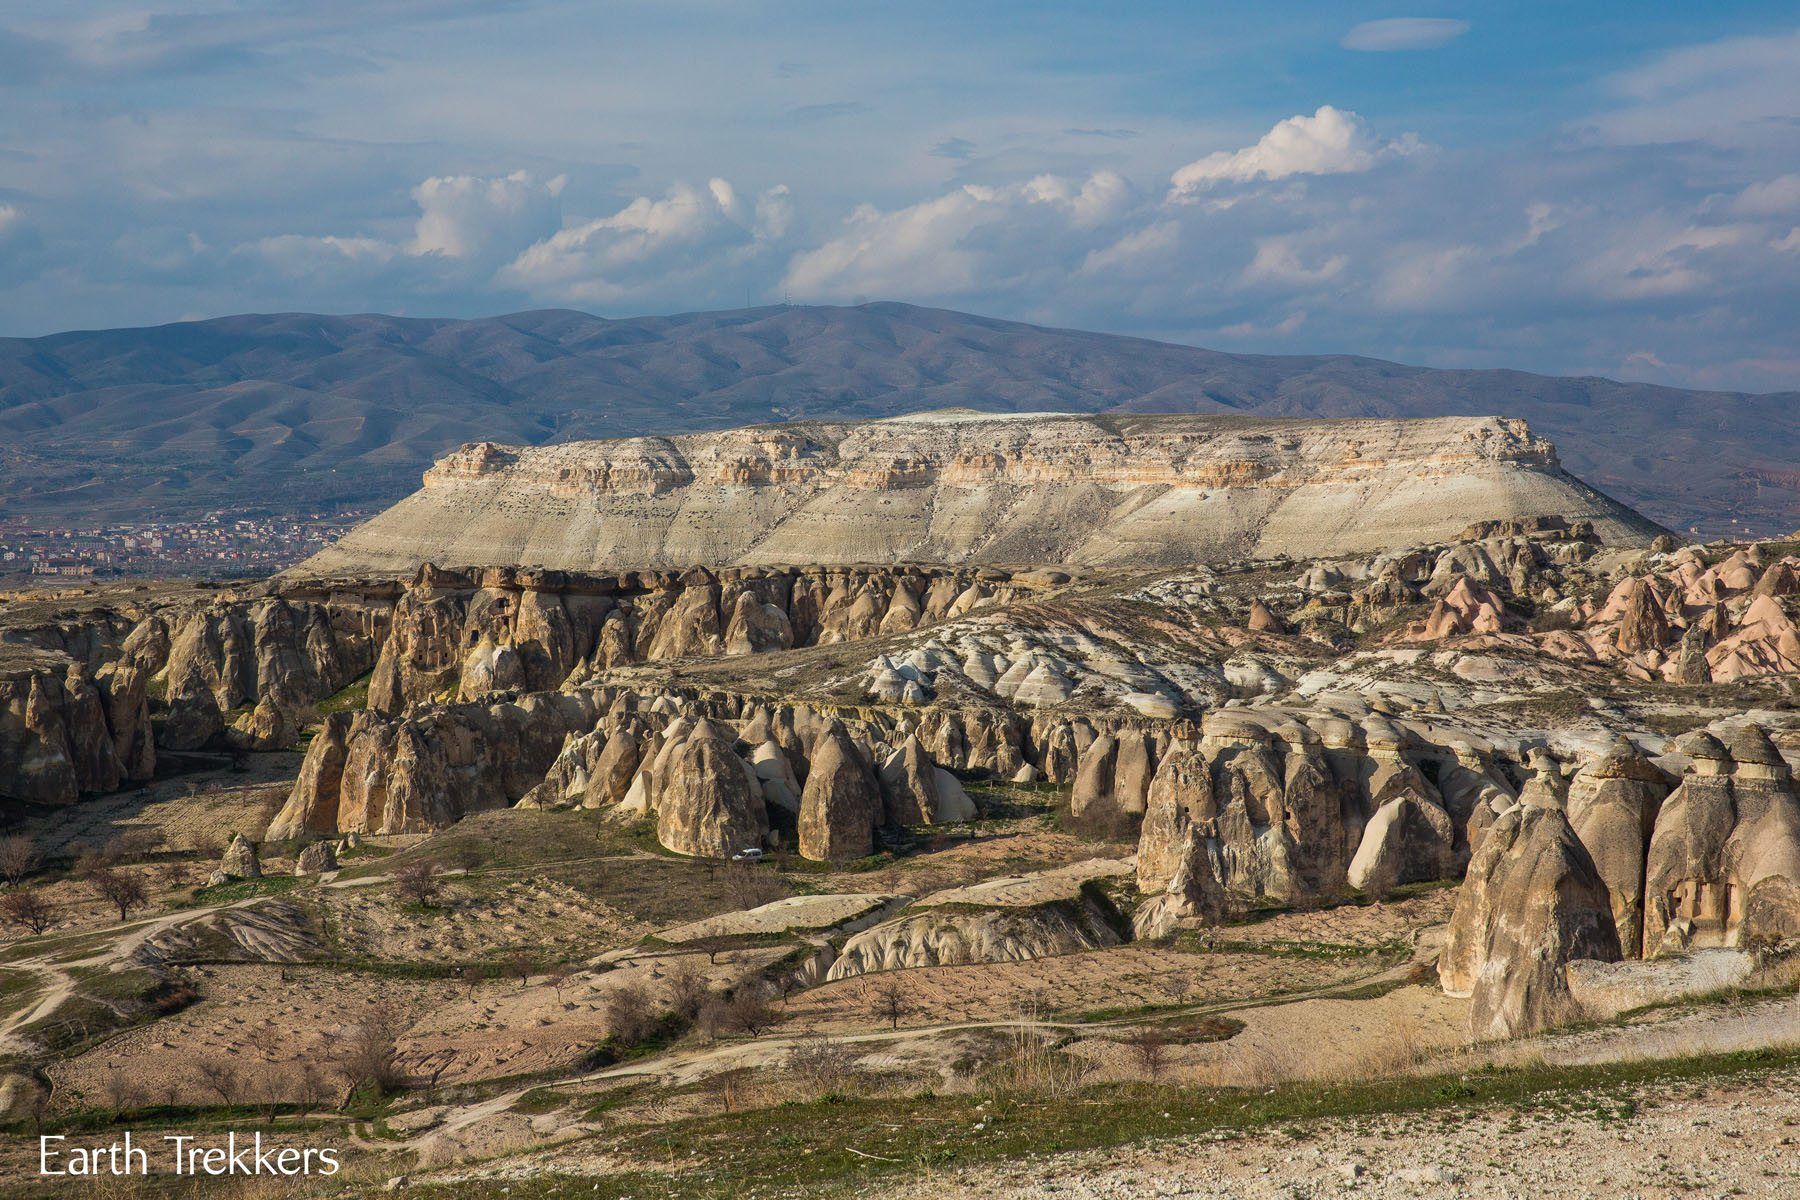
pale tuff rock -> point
(936, 937)
(1532, 902)
(1192, 894)
(316, 859)
(1067, 489)
(780, 786)
(240, 860)
(909, 780)
(1297, 812)
(374, 773)
(63, 733)
(1613, 804)
(1546, 788)
(841, 804)
(1409, 837)
(708, 800)
(1468, 608)
(997, 920)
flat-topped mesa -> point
(960, 487)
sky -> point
(1606, 188)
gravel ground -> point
(1715, 1139)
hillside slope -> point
(290, 412)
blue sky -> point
(1602, 188)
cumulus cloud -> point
(686, 230)
(1404, 33)
(963, 241)
(1330, 142)
(466, 216)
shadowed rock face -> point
(1532, 902)
(1285, 811)
(1613, 806)
(841, 805)
(1724, 855)
(64, 732)
(967, 488)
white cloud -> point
(969, 239)
(1769, 198)
(1404, 33)
(1278, 260)
(1737, 92)
(1151, 245)
(687, 230)
(468, 216)
(1330, 142)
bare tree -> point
(748, 887)
(724, 1086)
(714, 1016)
(1178, 986)
(371, 1055)
(130, 846)
(27, 907)
(19, 857)
(558, 979)
(267, 1040)
(629, 1017)
(121, 890)
(888, 999)
(119, 1092)
(472, 978)
(748, 1010)
(519, 965)
(418, 881)
(1149, 1045)
(433, 1066)
(688, 992)
(221, 1078)
(822, 1065)
(310, 1087)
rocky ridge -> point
(963, 487)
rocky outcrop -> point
(1192, 895)
(1723, 866)
(240, 860)
(909, 782)
(64, 732)
(1532, 902)
(1000, 920)
(372, 773)
(1299, 807)
(1613, 802)
(708, 801)
(967, 488)
(316, 859)
(841, 805)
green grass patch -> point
(352, 697)
(538, 1101)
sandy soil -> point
(177, 813)
(1741, 1139)
(1121, 977)
(473, 920)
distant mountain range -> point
(299, 412)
